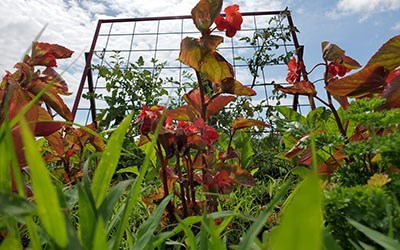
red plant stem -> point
(182, 185)
(189, 165)
(164, 163)
(331, 106)
(202, 94)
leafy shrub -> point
(371, 206)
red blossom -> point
(233, 21)
(339, 70)
(149, 117)
(294, 71)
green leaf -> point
(383, 240)
(49, 209)
(15, 205)
(145, 233)
(369, 80)
(291, 115)
(302, 218)
(190, 53)
(109, 161)
(107, 207)
(99, 236)
(87, 216)
(215, 68)
(388, 55)
(251, 234)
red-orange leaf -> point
(45, 54)
(51, 98)
(388, 55)
(218, 103)
(232, 86)
(392, 94)
(182, 113)
(243, 177)
(58, 82)
(45, 125)
(299, 88)
(194, 100)
(241, 122)
(369, 80)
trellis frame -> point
(87, 76)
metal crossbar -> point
(159, 38)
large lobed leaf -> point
(204, 13)
(232, 86)
(388, 55)
(370, 79)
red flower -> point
(294, 71)
(339, 70)
(149, 117)
(233, 21)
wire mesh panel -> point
(158, 39)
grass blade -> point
(256, 227)
(48, 205)
(381, 239)
(145, 233)
(109, 161)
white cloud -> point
(364, 8)
(72, 23)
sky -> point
(359, 27)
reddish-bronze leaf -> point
(232, 86)
(331, 52)
(241, 122)
(243, 177)
(204, 13)
(194, 100)
(45, 54)
(349, 62)
(215, 68)
(369, 80)
(182, 113)
(218, 103)
(51, 98)
(299, 88)
(56, 142)
(44, 124)
(24, 74)
(143, 140)
(210, 42)
(298, 147)
(392, 94)
(388, 55)
(59, 84)
(342, 100)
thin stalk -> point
(164, 163)
(202, 94)
(331, 106)
(182, 186)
